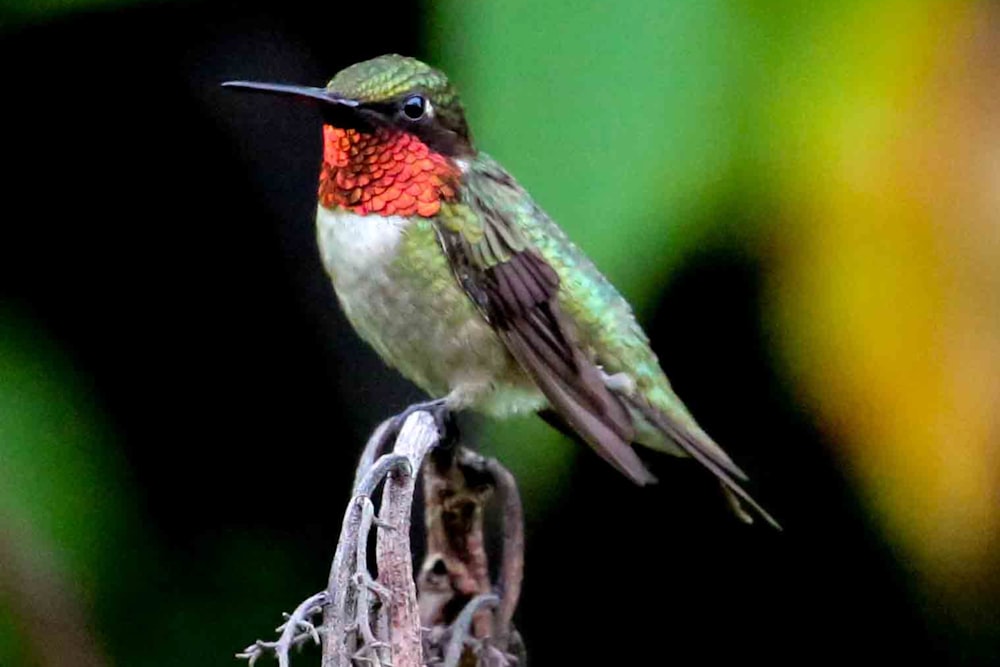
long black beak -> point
(319, 94)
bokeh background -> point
(802, 201)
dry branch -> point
(453, 614)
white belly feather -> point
(396, 288)
(354, 245)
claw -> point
(438, 409)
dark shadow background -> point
(159, 230)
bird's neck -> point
(384, 172)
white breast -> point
(352, 245)
(420, 321)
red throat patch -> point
(387, 172)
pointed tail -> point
(702, 449)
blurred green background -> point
(801, 200)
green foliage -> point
(20, 12)
(57, 473)
(59, 483)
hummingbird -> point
(448, 268)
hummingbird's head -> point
(394, 131)
(403, 93)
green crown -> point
(388, 77)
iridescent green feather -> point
(390, 76)
(603, 319)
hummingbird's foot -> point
(444, 418)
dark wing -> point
(517, 292)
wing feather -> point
(517, 292)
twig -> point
(338, 649)
(458, 485)
(364, 585)
(296, 629)
(395, 566)
(460, 628)
(456, 595)
(371, 452)
(512, 559)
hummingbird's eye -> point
(414, 107)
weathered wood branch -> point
(452, 614)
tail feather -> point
(701, 448)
